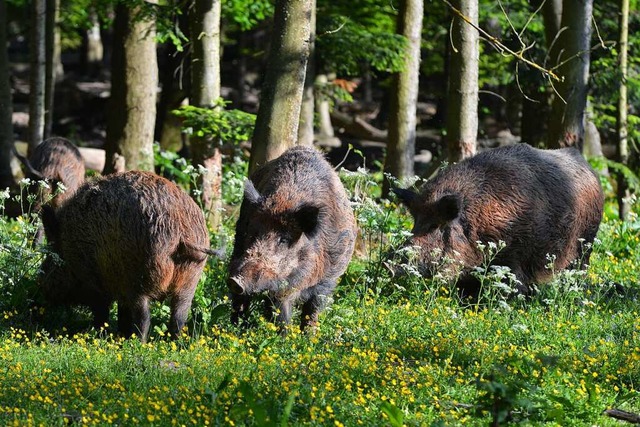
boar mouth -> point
(238, 286)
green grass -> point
(389, 351)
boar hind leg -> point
(134, 318)
(180, 305)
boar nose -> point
(236, 286)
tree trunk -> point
(305, 130)
(624, 206)
(535, 114)
(37, 74)
(175, 90)
(276, 127)
(462, 105)
(401, 146)
(53, 67)
(6, 106)
(326, 135)
(552, 17)
(92, 48)
(134, 84)
(205, 91)
(566, 124)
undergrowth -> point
(394, 348)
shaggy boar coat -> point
(131, 237)
(294, 238)
(539, 202)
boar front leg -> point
(239, 308)
(315, 303)
(180, 305)
(100, 311)
(278, 311)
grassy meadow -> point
(389, 351)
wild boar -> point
(294, 237)
(540, 203)
(130, 237)
(59, 161)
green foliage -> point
(246, 14)
(392, 349)
(217, 124)
(358, 34)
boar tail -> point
(198, 253)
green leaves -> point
(217, 124)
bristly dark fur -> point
(294, 238)
(539, 202)
(131, 237)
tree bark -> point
(134, 84)
(401, 146)
(278, 117)
(624, 206)
(552, 17)
(462, 105)
(92, 48)
(307, 109)
(37, 74)
(53, 67)
(205, 91)
(6, 105)
(566, 124)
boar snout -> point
(236, 286)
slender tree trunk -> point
(205, 91)
(134, 85)
(552, 17)
(92, 48)
(37, 74)
(326, 135)
(6, 106)
(624, 207)
(175, 89)
(278, 116)
(535, 114)
(462, 105)
(53, 68)
(401, 147)
(566, 125)
(305, 130)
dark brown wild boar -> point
(538, 202)
(58, 161)
(131, 237)
(294, 238)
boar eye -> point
(285, 240)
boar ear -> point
(251, 195)
(448, 207)
(406, 196)
(307, 217)
(49, 222)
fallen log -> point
(357, 127)
(621, 415)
